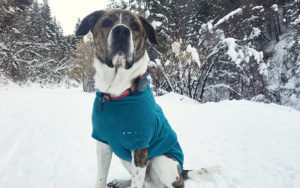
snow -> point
(16, 31)
(147, 13)
(11, 9)
(252, 18)
(194, 54)
(176, 47)
(228, 16)
(258, 56)
(45, 140)
(297, 21)
(3, 46)
(210, 27)
(156, 24)
(279, 53)
(151, 64)
(275, 7)
(255, 33)
(241, 55)
(161, 16)
(258, 8)
(232, 50)
(263, 69)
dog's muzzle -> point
(119, 47)
(121, 33)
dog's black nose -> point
(121, 31)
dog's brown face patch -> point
(119, 36)
(107, 21)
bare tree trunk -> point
(276, 32)
(278, 23)
(83, 81)
(189, 83)
(205, 79)
(284, 14)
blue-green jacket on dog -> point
(134, 122)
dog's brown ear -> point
(89, 22)
(149, 29)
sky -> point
(68, 11)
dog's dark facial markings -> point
(88, 23)
(141, 157)
(102, 23)
(120, 44)
(149, 30)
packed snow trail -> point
(45, 140)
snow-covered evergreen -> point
(236, 44)
(224, 49)
(33, 47)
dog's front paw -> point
(119, 184)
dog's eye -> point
(107, 23)
(135, 26)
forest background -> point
(208, 50)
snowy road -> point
(45, 140)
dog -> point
(126, 119)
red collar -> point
(125, 93)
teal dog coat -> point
(134, 122)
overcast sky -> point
(68, 11)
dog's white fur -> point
(112, 81)
(104, 155)
(137, 174)
(162, 171)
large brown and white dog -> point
(120, 58)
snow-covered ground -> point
(45, 140)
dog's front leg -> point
(138, 167)
(104, 155)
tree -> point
(37, 51)
(81, 64)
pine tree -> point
(24, 2)
(200, 10)
(37, 49)
(113, 4)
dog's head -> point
(119, 36)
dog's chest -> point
(133, 123)
(112, 81)
(128, 123)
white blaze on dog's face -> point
(120, 46)
(119, 36)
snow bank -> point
(45, 140)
